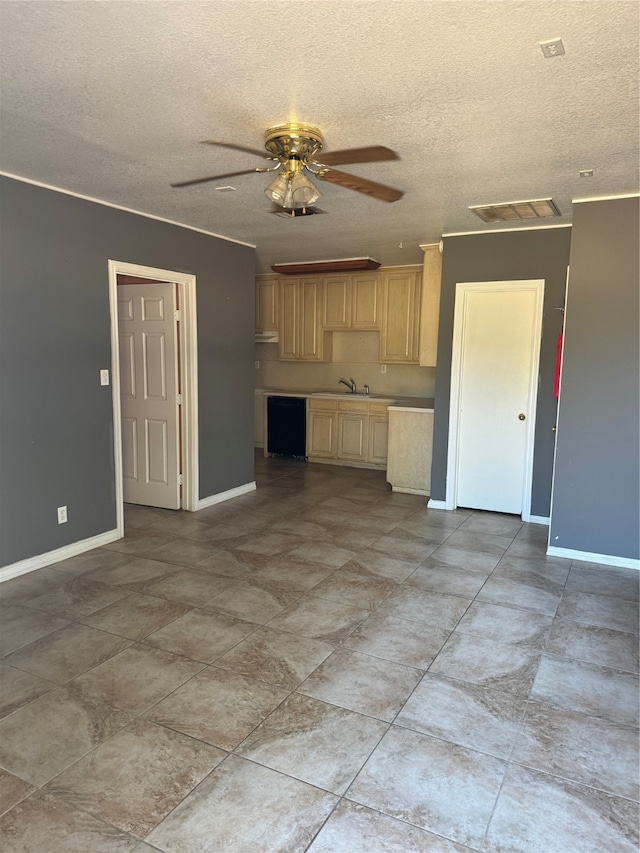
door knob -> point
(522, 417)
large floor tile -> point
(135, 616)
(252, 601)
(404, 548)
(92, 561)
(137, 678)
(25, 587)
(20, 626)
(40, 740)
(513, 593)
(474, 540)
(354, 589)
(20, 688)
(538, 813)
(493, 523)
(587, 688)
(276, 657)
(136, 777)
(243, 807)
(190, 586)
(76, 597)
(291, 574)
(139, 541)
(314, 742)
(437, 578)
(603, 580)
(437, 786)
(464, 558)
(412, 643)
(602, 611)
(585, 749)
(322, 553)
(487, 663)
(353, 828)
(465, 714)
(506, 625)
(67, 652)
(421, 605)
(218, 706)
(12, 790)
(181, 552)
(376, 564)
(591, 644)
(233, 564)
(319, 619)
(362, 683)
(269, 544)
(201, 635)
(44, 824)
(136, 574)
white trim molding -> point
(226, 496)
(505, 230)
(41, 560)
(538, 519)
(437, 504)
(588, 557)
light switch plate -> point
(104, 377)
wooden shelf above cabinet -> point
(318, 267)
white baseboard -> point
(203, 503)
(437, 504)
(537, 519)
(14, 570)
(588, 557)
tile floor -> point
(320, 666)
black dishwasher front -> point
(287, 426)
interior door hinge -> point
(176, 314)
(179, 479)
(179, 399)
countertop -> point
(397, 402)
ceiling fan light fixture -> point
(278, 188)
(303, 191)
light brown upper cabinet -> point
(351, 302)
(400, 316)
(267, 305)
(430, 307)
(301, 337)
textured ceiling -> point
(111, 99)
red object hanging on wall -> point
(558, 371)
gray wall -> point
(56, 443)
(595, 493)
(506, 256)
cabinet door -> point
(352, 436)
(310, 333)
(289, 327)
(378, 438)
(321, 434)
(399, 333)
(365, 312)
(336, 303)
(267, 306)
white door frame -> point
(462, 289)
(188, 349)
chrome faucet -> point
(351, 385)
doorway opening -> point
(181, 381)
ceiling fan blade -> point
(372, 154)
(360, 185)
(235, 147)
(218, 177)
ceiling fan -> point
(295, 148)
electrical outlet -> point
(256, 364)
(104, 377)
(383, 368)
(62, 515)
(553, 47)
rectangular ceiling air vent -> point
(538, 208)
(294, 214)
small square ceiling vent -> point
(294, 214)
(538, 208)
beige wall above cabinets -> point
(392, 301)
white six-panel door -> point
(149, 394)
(498, 340)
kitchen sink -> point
(345, 394)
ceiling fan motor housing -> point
(293, 141)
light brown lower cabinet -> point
(347, 432)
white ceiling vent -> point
(539, 208)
